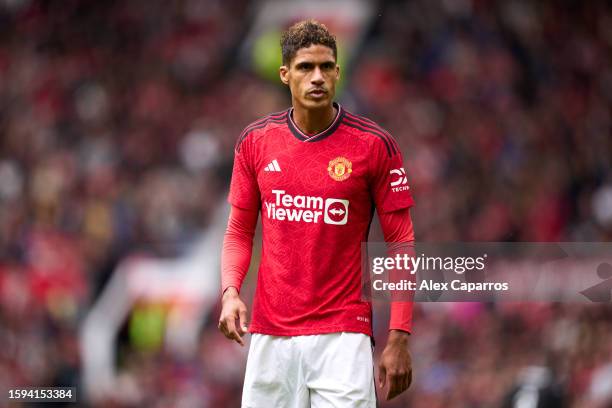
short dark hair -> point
(303, 34)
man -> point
(316, 172)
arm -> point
(235, 260)
(395, 368)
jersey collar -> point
(319, 136)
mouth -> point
(317, 93)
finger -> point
(390, 390)
(222, 326)
(225, 330)
(231, 329)
(382, 375)
(406, 382)
(243, 322)
(395, 385)
(401, 385)
(236, 336)
(408, 379)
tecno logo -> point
(309, 209)
(399, 181)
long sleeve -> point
(237, 247)
(399, 235)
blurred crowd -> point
(117, 125)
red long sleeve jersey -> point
(317, 196)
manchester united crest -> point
(340, 168)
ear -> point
(337, 72)
(284, 74)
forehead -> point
(314, 53)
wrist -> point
(399, 337)
(230, 292)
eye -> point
(304, 66)
(327, 66)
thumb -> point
(382, 376)
(243, 320)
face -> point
(311, 76)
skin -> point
(314, 69)
(233, 319)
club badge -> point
(340, 168)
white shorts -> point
(324, 370)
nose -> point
(317, 77)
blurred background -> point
(117, 126)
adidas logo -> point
(272, 166)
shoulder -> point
(261, 125)
(372, 131)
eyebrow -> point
(307, 63)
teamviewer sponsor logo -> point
(309, 209)
(336, 211)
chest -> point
(310, 170)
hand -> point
(395, 368)
(232, 309)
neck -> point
(313, 121)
